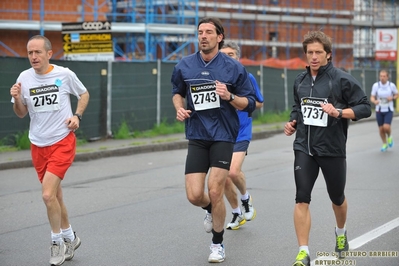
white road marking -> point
(365, 238)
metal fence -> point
(139, 94)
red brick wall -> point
(54, 10)
(293, 32)
(17, 41)
(67, 11)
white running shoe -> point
(57, 251)
(236, 222)
(217, 253)
(208, 224)
(71, 246)
(248, 208)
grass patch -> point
(123, 132)
(80, 142)
(162, 129)
(138, 143)
(165, 140)
(8, 148)
(22, 140)
(84, 150)
(270, 117)
(19, 141)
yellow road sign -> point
(88, 47)
(88, 37)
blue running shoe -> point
(384, 147)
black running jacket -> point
(341, 90)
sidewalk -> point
(111, 147)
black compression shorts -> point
(306, 170)
(202, 155)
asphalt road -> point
(132, 210)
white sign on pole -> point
(386, 44)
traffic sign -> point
(76, 48)
(88, 38)
(86, 26)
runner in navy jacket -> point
(208, 88)
(195, 80)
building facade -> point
(148, 30)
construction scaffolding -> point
(370, 15)
(148, 30)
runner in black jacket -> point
(325, 99)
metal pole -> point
(261, 86)
(364, 80)
(95, 10)
(397, 68)
(41, 17)
(109, 98)
(285, 89)
(158, 92)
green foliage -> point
(7, 141)
(178, 127)
(22, 141)
(80, 138)
(6, 148)
(123, 132)
(80, 142)
(271, 117)
(388, 64)
(162, 129)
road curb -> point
(125, 151)
(145, 148)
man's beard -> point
(208, 50)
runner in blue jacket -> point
(236, 179)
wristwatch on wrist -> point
(232, 97)
(79, 116)
(339, 113)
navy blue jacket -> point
(217, 124)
